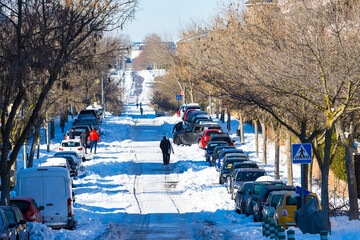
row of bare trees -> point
(292, 65)
(50, 53)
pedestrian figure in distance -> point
(141, 110)
(72, 134)
(140, 105)
(84, 136)
(137, 105)
(94, 139)
(166, 149)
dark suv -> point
(217, 152)
(210, 148)
(261, 200)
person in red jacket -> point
(94, 138)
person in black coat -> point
(166, 149)
(84, 136)
(72, 134)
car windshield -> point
(70, 144)
(249, 176)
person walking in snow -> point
(94, 139)
(84, 136)
(166, 149)
(141, 111)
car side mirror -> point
(41, 208)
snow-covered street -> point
(125, 191)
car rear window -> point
(246, 166)
(276, 199)
(293, 201)
(249, 176)
(70, 144)
(23, 205)
(211, 133)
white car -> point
(73, 145)
(74, 155)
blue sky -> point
(168, 17)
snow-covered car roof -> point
(73, 153)
(54, 162)
(268, 179)
(70, 140)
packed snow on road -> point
(125, 191)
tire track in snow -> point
(138, 170)
(167, 188)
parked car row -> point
(44, 193)
(253, 191)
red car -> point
(205, 137)
(29, 208)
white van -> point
(51, 189)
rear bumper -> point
(58, 225)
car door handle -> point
(49, 204)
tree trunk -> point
(324, 179)
(5, 187)
(289, 159)
(241, 127)
(228, 120)
(256, 122)
(52, 132)
(348, 143)
(264, 145)
(277, 157)
(352, 184)
(33, 147)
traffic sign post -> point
(178, 98)
(182, 93)
(302, 154)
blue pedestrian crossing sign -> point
(178, 97)
(302, 153)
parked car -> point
(204, 121)
(254, 194)
(189, 135)
(225, 169)
(57, 162)
(191, 113)
(78, 129)
(190, 106)
(272, 202)
(15, 217)
(221, 137)
(7, 230)
(285, 210)
(73, 154)
(29, 208)
(210, 149)
(188, 113)
(73, 163)
(92, 123)
(73, 145)
(234, 167)
(242, 195)
(92, 112)
(223, 153)
(51, 189)
(217, 151)
(206, 135)
(258, 205)
(243, 175)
